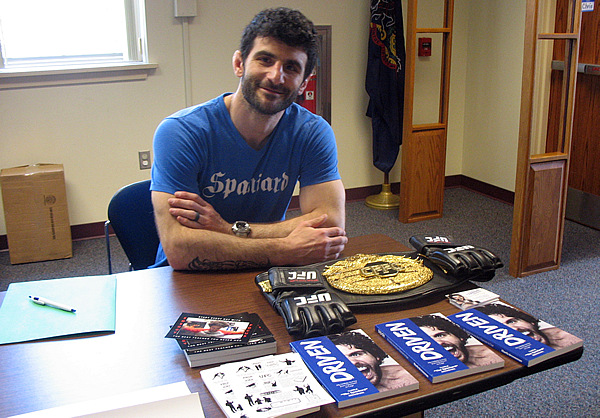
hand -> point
(192, 211)
(308, 243)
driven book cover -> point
(353, 368)
(516, 333)
(440, 349)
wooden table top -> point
(45, 374)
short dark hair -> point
(355, 339)
(286, 25)
(441, 323)
(500, 309)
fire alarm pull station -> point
(424, 47)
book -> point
(353, 369)
(472, 298)
(268, 386)
(236, 352)
(261, 343)
(516, 333)
(438, 348)
(204, 352)
(211, 328)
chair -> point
(131, 216)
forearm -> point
(188, 245)
(196, 249)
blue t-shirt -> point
(199, 150)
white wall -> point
(97, 130)
(493, 90)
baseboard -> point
(96, 229)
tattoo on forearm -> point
(207, 265)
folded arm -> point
(205, 241)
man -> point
(368, 357)
(454, 340)
(224, 171)
(214, 329)
(528, 325)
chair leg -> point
(106, 235)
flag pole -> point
(386, 199)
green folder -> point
(93, 297)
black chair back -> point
(131, 216)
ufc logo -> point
(438, 239)
(456, 249)
(302, 275)
(380, 268)
(321, 297)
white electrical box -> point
(185, 8)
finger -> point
(183, 204)
(316, 222)
(188, 223)
(186, 213)
(190, 196)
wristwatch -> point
(241, 229)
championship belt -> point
(366, 280)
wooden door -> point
(541, 180)
(583, 195)
(424, 145)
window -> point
(54, 37)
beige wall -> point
(96, 130)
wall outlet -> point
(144, 160)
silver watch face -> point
(241, 228)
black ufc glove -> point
(299, 296)
(461, 261)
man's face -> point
(366, 362)
(450, 342)
(273, 75)
(214, 328)
(522, 326)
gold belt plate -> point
(369, 274)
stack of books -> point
(207, 339)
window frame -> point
(134, 66)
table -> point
(45, 374)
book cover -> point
(516, 333)
(259, 330)
(211, 328)
(353, 368)
(472, 298)
(438, 348)
(270, 386)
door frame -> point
(541, 179)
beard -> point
(270, 105)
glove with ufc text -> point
(298, 294)
(461, 261)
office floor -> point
(568, 297)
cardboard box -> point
(36, 213)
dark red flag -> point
(385, 80)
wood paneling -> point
(423, 186)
